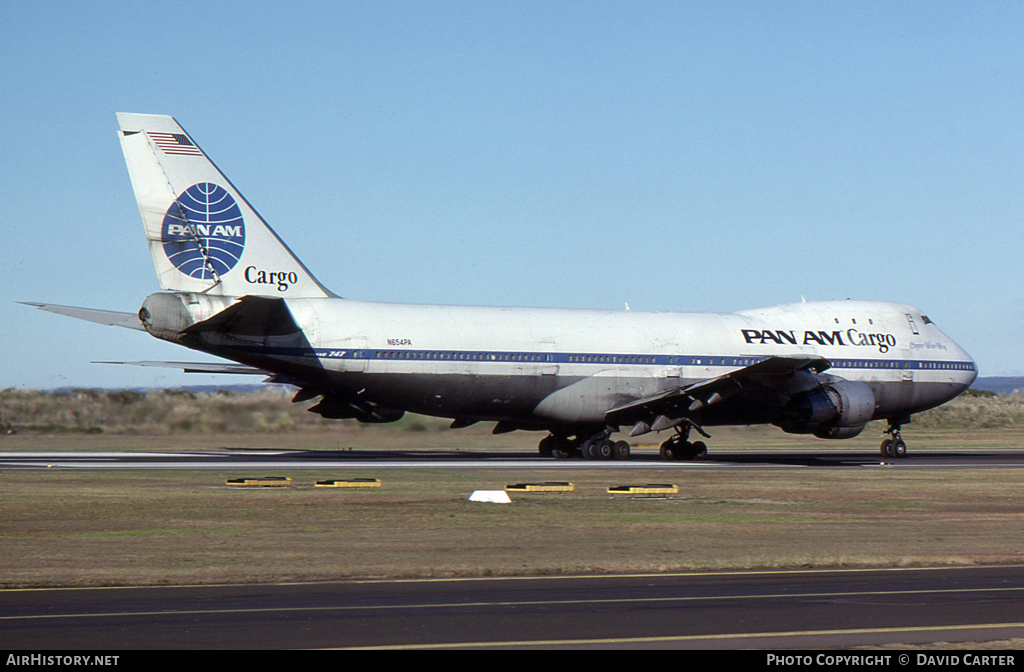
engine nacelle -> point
(834, 411)
(838, 432)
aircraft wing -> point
(111, 318)
(679, 405)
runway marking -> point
(518, 603)
(693, 574)
(113, 465)
(545, 577)
(693, 638)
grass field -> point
(118, 528)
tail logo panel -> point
(203, 232)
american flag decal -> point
(174, 143)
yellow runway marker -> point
(265, 482)
(649, 489)
(350, 483)
(541, 487)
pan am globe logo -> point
(206, 214)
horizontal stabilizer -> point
(111, 318)
(201, 367)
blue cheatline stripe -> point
(503, 357)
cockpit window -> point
(924, 318)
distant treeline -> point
(270, 410)
(999, 384)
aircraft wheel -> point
(621, 450)
(898, 448)
(561, 453)
(666, 452)
(589, 449)
(700, 450)
(684, 450)
(605, 449)
(557, 447)
(887, 448)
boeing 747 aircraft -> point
(232, 288)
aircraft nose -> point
(972, 373)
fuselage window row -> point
(646, 359)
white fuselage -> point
(545, 367)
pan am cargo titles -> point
(852, 337)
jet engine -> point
(833, 411)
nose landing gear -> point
(894, 446)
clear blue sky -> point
(706, 156)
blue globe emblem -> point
(208, 212)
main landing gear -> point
(678, 447)
(597, 447)
(601, 447)
(894, 446)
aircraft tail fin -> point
(203, 235)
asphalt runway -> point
(806, 609)
(261, 459)
(702, 610)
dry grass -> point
(976, 410)
(155, 528)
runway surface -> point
(262, 459)
(728, 610)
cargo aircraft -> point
(232, 288)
